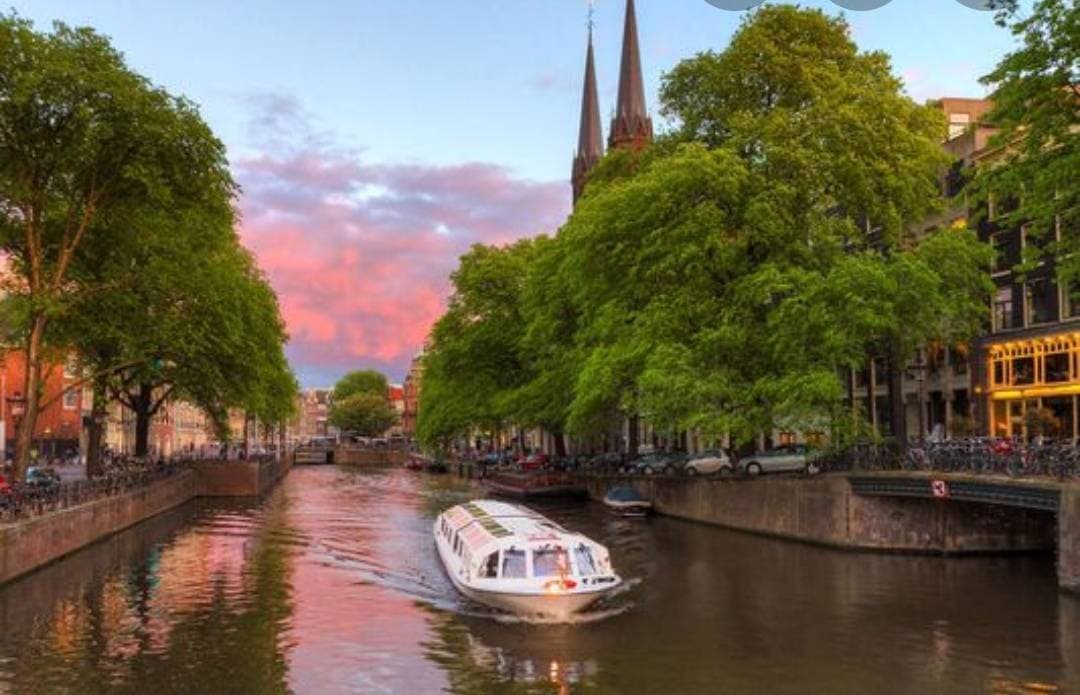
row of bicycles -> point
(40, 495)
(977, 455)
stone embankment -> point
(826, 511)
(30, 544)
(351, 456)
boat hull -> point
(629, 508)
(558, 607)
(531, 485)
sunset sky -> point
(376, 140)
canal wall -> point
(824, 510)
(33, 543)
(27, 545)
(369, 457)
(239, 478)
(1069, 539)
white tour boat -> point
(511, 558)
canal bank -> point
(33, 543)
(824, 510)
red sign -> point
(940, 488)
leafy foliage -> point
(365, 413)
(724, 277)
(361, 381)
(1036, 107)
(116, 215)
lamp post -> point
(16, 406)
(920, 369)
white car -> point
(707, 463)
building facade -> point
(313, 414)
(410, 393)
(1022, 377)
(59, 428)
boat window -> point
(490, 568)
(457, 544)
(550, 561)
(513, 564)
(584, 559)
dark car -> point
(651, 464)
(41, 478)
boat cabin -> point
(505, 542)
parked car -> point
(792, 457)
(708, 462)
(42, 478)
(534, 461)
(651, 464)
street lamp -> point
(16, 407)
(920, 369)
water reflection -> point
(332, 585)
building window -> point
(1057, 367)
(1023, 371)
(1003, 309)
(958, 123)
(1040, 240)
(1042, 298)
(71, 368)
(1046, 363)
(71, 399)
(1070, 301)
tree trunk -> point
(634, 436)
(96, 428)
(32, 390)
(143, 402)
(560, 443)
(247, 423)
(897, 411)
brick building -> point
(411, 398)
(59, 425)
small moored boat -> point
(511, 558)
(627, 501)
(534, 484)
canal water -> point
(331, 585)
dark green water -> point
(332, 586)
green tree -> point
(362, 381)
(364, 413)
(703, 274)
(473, 365)
(724, 277)
(1036, 95)
(84, 140)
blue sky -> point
(390, 93)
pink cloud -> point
(360, 253)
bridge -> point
(889, 511)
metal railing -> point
(25, 501)
(974, 455)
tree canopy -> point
(361, 381)
(726, 276)
(1036, 95)
(116, 213)
(363, 413)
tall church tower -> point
(631, 126)
(590, 139)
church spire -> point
(631, 126)
(590, 139)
